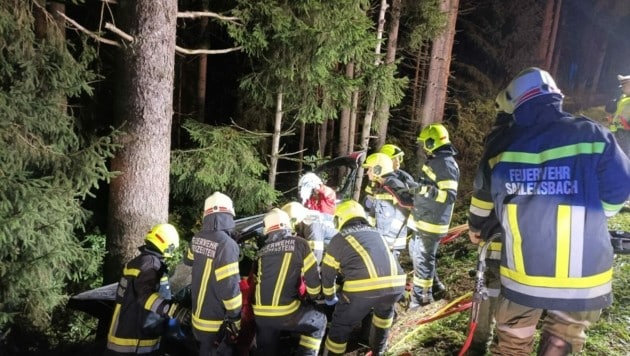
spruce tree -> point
(47, 167)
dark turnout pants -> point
(349, 312)
(306, 321)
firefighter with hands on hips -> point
(396, 154)
(373, 280)
(310, 225)
(316, 195)
(284, 261)
(390, 203)
(143, 309)
(216, 296)
(552, 192)
(484, 228)
(431, 214)
(620, 110)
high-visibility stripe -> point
(517, 242)
(233, 303)
(282, 276)
(563, 241)
(309, 262)
(205, 277)
(335, 347)
(329, 291)
(131, 272)
(190, 255)
(127, 345)
(429, 172)
(550, 154)
(422, 283)
(433, 228)
(611, 209)
(367, 260)
(441, 196)
(276, 310)
(331, 261)
(554, 287)
(226, 271)
(310, 343)
(152, 302)
(363, 285)
(206, 325)
(578, 215)
(448, 184)
(384, 196)
(382, 323)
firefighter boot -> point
(438, 288)
(378, 340)
(420, 297)
(551, 345)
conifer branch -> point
(196, 14)
(88, 32)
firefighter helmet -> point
(296, 211)
(348, 210)
(433, 137)
(218, 203)
(380, 163)
(392, 151)
(528, 84)
(164, 237)
(275, 220)
(307, 183)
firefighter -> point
(430, 218)
(373, 280)
(284, 261)
(396, 154)
(316, 195)
(620, 110)
(215, 286)
(143, 311)
(310, 225)
(553, 193)
(391, 201)
(483, 227)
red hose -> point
(471, 332)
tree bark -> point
(139, 197)
(275, 140)
(439, 68)
(344, 119)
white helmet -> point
(528, 84)
(275, 220)
(307, 183)
(218, 203)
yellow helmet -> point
(164, 237)
(296, 211)
(218, 203)
(392, 151)
(347, 210)
(380, 163)
(275, 220)
(433, 137)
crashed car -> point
(340, 172)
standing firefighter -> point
(373, 281)
(216, 294)
(396, 154)
(310, 225)
(283, 262)
(620, 110)
(143, 311)
(553, 193)
(432, 211)
(390, 202)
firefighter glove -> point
(232, 327)
(330, 301)
(174, 330)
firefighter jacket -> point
(213, 255)
(436, 193)
(405, 178)
(391, 202)
(140, 312)
(317, 232)
(362, 257)
(283, 261)
(553, 181)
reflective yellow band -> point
(363, 285)
(338, 348)
(422, 283)
(447, 184)
(227, 271)
(382, 323)
(310, 343)
(433, 228)
(276, 310)
(234, 303)
(558, 282)
(206, 325)
(131, 272)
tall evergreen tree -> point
(46, 167)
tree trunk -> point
(390, 58)
(275, 140)
(301, 146)
(344, 119)
(439, 68)
(139, 197)
(203, 66)
(544, 44)
(371, 102)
